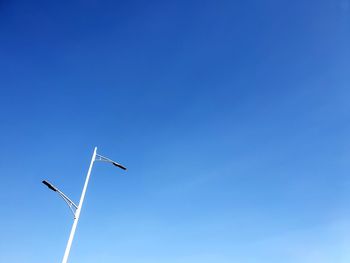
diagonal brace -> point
(73, 207)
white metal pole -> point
(77, 213)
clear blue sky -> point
(232, 117)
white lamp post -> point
(77, 209)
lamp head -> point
(49, 186)
(119, 165)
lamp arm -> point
(69, 202)
(105, 159)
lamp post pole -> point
(77, 213)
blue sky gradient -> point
(232, 117)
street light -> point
(69, 202)
(73, 207)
